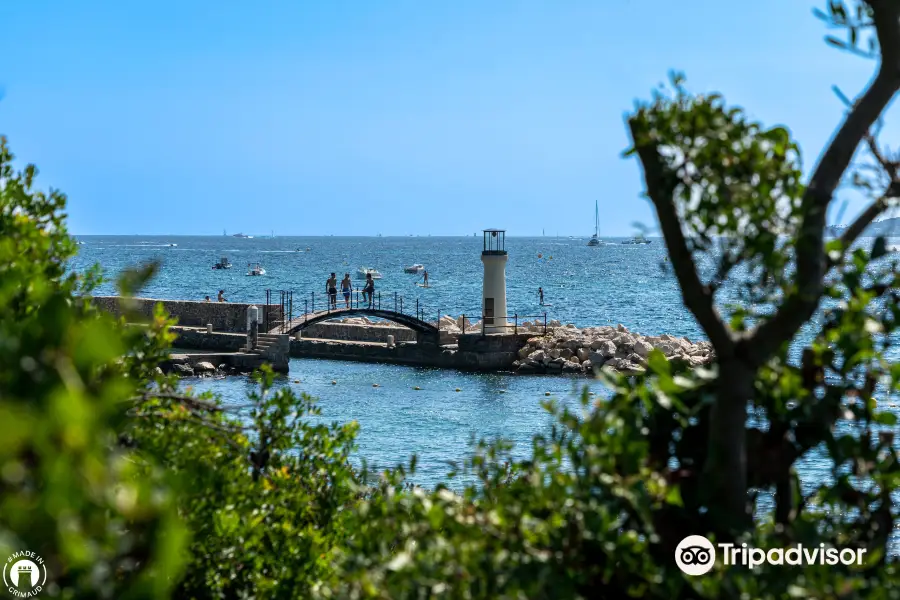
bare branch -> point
(799, 306)
(697, 297)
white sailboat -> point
(595, 240)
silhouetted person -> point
(331, 288)
(541, 294)
(370, 289)
(222, 296)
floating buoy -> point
(458, 390)
(540, 255)
(546, 393)
(296, 381)
(551, 258)
(416, 387)
(333, 382)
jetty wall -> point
(473, 352)
(229, 317)
(358, 333)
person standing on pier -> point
(331, 288)
(370, 290)
(346, 288)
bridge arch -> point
(302, 322)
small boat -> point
(637, 240)
(362, 272)
(256, 271)
(595, 240)
(416, 268)
(222, 264)
(173, 245)
(241, 235)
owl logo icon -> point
(695, 555)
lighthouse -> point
(493, 301)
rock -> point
(183, 370)
(587, 366)
(607, 349)
(556, 364)
(583, 354)
(574, 359)
(636, 359)
(571, 367)
(598, 359)
(565, 353)
(524, 351)
(622, 328)
(570, 326)
(642, 348)
(526, 367)
(554, 323)
(595, 345)
(554, 353)
(537, 356)
(204, 367)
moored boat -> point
(222, 264)
(362, 272)
(256, 271)
(595, 239)
(414, 269)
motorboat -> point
(256, 271)
(173, 245)
(595, 240)
(364, 272)
(637, 240)
(241, 235)
(414, 269)
(222, 264)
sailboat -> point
(595, 240)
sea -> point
(434, 413)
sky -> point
(395, 117)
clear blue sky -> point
(354, 118)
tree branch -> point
(799, 306)
(697, 297)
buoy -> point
(416, 387)
(546, 393)
(333, 382)
(540, 255)
(296, 381)
(458, 390)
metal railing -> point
(317, 302)
(504, 322)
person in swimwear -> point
(331, 289)
(346, 288)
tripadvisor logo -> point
(696, 555)
(24, 574)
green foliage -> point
(132, 488)
(66, 491)
(263, 491)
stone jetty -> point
(568, 349)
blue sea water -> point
(587, 286)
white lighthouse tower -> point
(493, 301)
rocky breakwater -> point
(572, 350)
